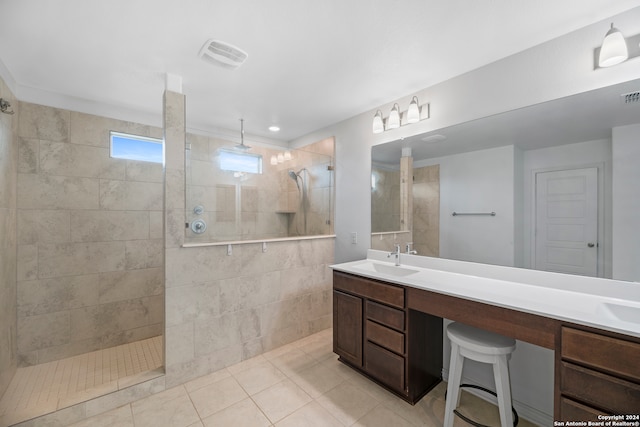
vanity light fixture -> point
(414, 114)
(393, 122)
(281, 157)
(616, 48)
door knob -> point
(591, 244)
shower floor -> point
(41, 389)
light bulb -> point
(378, 124)
(393, 122)
(413, 113)
(614, 49)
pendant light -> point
(614, 49)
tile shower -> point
(89, 237)
(95, 269)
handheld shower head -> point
(294, 176)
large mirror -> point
(527, 188)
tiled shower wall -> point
(386, 211)
(425, 228)
(89, 235)
(8, 250)
(385, 200)
(220, 308)
(426, 210)
(259, 206)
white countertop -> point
(611, 305)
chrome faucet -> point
(396, 253)
(409, 250)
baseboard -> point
(525, 411)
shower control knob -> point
(198, 226)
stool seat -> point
(481, 346)
(479, 340)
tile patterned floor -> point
(44, 388)
(299, 385)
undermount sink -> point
(626, 313)
(391, 270)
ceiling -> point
(310, 64)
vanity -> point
(388, 326)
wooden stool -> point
(481, 346)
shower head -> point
(241, 146)
(294, 176)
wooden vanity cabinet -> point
(370, 329)
(599, 374)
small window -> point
(240, 162)
(134, 147)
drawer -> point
(382, 292)
(616, 356)
(600, 390)
(574, 411)
(388, 316)
(385, 366)
(385, 337)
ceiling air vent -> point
(223, 54)
(631, 97)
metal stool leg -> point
(503, 390)
(453, 387)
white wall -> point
(626, 202)
(479, 181)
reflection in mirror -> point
(549, 171)
(391, 222)
(385, 198)
(265, 192)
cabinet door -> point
(347, 327)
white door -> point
(567, 221)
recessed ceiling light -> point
(274, 128)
